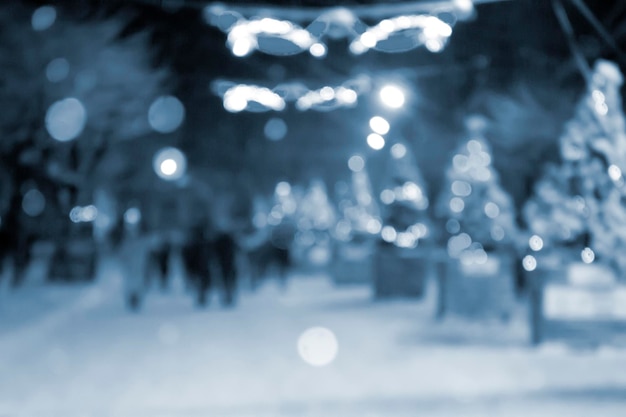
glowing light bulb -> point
(317, 50)
(392, 96)
(242, 47)
(379, 125)
(529, 263)
(536, 243)
(170, 164)
(375, 141)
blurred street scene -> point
(307, 208)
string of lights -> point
(238, 97)
(284, 37)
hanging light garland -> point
(429, 25)
(254, 98)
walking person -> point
(133, 256)
(196, 256)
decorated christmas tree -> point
(405, 215)
(579, 203)
(479, 212)
(358, 210)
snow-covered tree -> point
(106, 83)
(580, 202)
(358, 209)
(479, 212)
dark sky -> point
(512, 46)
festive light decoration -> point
(254, 98)
(408, 29)
(579, 202)
(170, 164)
(480, 213)
(405, 201)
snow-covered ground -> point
(76, 352)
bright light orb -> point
(535, 243)
(387, 196)
(283, 189)
(389, 234)
(368, 40)
(166, 114)
(615, 173)
(457, 205)
(235, 103)
(374, 226)
(168, 167)
(375, 141)
(392, 96)
(587, 255)
(492, 210)
(356, 163)
(43, 18)
(170, 164)
(66, 119)
(463, 7)
(317, 50)
(242, 47)
(529, 263)
(379, 125)
(318, 346)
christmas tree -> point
(359, 213)
(579, 202)
(479, 212)
(405, 215)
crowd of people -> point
(213, 259)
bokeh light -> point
(615, 172)
(356, 163)
(283, 189)
(529, 263)
(492, 210)
(375, 141)
(453, 226)
(318, 50)
(461, 188)
(398, 151)
(374, 226)
(57, 70)
(535, 243)
(166, 114)
(275, 129)
(587, 255)
(318, 346)
(132, 215)
(392, 96)
(33, 202)
(84, 214)
(379, 125)
(387, 196)
(242, 47)
(170, 164)
(43, 18)
(389, 234)
(457, 205)
(66, 119)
